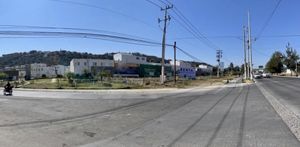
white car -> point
(257, 76)
(266, 75)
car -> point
(266, 75)
(257, 76)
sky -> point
(220, 21)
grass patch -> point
(88, 84)
(64, 84)
(247, 81)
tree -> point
(103, 73)
(70, 76)
(275, 64)
(231, 66)
(3, 76)
(237, 70)
(242, 68)
(291, 58)
(86, 74)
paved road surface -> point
(232, 115)
(285, 89)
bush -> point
(3, 76)
(59, 76)
(44, 76)
(107, 84)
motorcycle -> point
(7, 91)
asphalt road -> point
(231, 115)
(285, 89)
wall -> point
(184, 69)
(126, 58)
(78, 66)
(37, 70)
(154, 70)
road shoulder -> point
(291, 119)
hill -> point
(51, 58)
(62, 57)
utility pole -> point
(245, 55)
(250, 47)
(175, 62)
(56, 73)
(219, 56)
(165, 20)
(296, 68)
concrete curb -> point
(101, 90)
(288, 116)
(116, 90)
(287, 77)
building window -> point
(78, 63)
(95, 63)
(84, 63)
(143, 58)
(137, 58)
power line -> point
(281, 36)
(261, 53)
(225, 36)
(189, 55)
(168, 2)
(70, 29)
(106, 37)
(114, 38)
(240, 37)
(29, 37)
(269, 19)
(179, 38)
(104, 9)
(163, 2)
(116, 12)
(194, 30)
(153, 3)
(80, 35)
(197, 36)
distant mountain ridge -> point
(62, 57)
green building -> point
(154, 70)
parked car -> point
(257, 76)
(266, 75)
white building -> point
(78, 66)
(37, 70)
(184, 69)
(204, 68)
(126, 58)
(56, 70)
